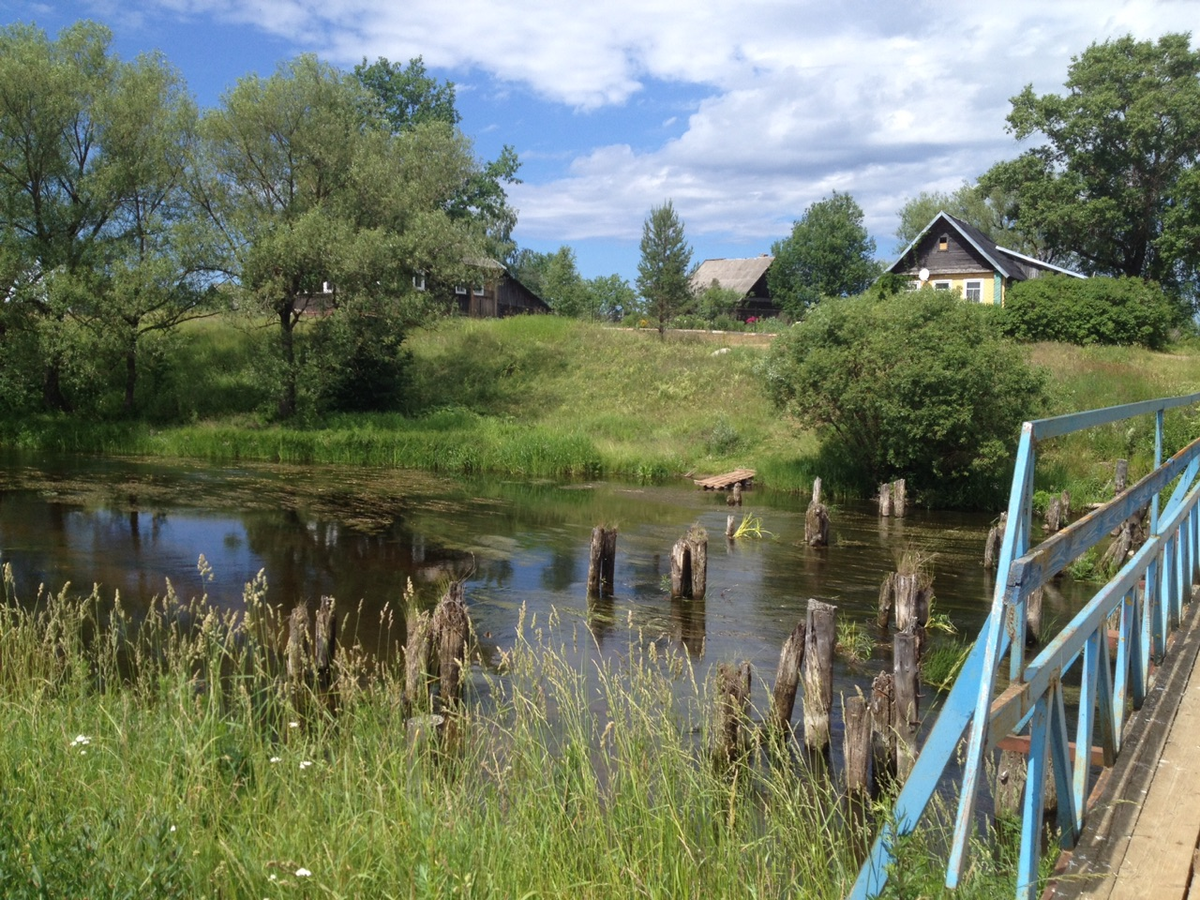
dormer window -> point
(944, 243)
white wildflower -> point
(303, 872)
(293, 724)
(275, 759)
(305, 763)
(81, 740)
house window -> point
(914, 285)
(941, 285)
(479, 290)
(944, 242)
(419, 281)
(460, 289)
(974, 291)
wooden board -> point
(726, 481)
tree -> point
(610, 298)
(93, 156)
(917, 385)
(1116, 167)
(561, 284)
(828, 254)
(310, 190)
(405, 97)
(664, 267)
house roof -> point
(734, 274)
(1009, 263)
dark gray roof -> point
(735, 274)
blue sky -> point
(743, 113)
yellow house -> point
(950, 255)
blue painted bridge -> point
(1001, 692)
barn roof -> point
(734, 274)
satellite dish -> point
(923, 274)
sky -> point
(743, 113)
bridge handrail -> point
(1147, 591)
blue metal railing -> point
(1146, 597)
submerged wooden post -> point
(730, 526)
(602, 561)
(885, 500)
(1033, 616)
(995, 538)
(450, 629)
(906, 676)
(899, 498)
(689, 565)
(887, 591)
(883, 730)
(1011, 774)
(732, 714)
(819, 641)
(735, 495)
(816, 519)
(787, 676)
(418, 660)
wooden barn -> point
(746, 276)
(496, 294)
(950, 255)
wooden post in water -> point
(602, 561)
(856, 746)
(906, 677)
(819, 641)
(899, 498)
(887, 591)
(418, 661)
(1011, 773)
(995, 538)
(450, 629)
(787, 676)
(885, 500)
(883, 730)
(732, 714)
(1033, 616)
(689, 565)
(730, 526)
(734, 498)
(299, 642)
(324, 650)
(816, 519)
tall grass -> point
(166, 758)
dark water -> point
(360, 535)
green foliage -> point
(918, 386)
(716, 304)
(1115, 177)
(663, 269)
(828, 254)
(992, 213)
(1096, 310)
(355, 360)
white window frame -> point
(419, 281)
(942, 285)
(976, 285)
(460, 289)
(479, 291)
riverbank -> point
(545, 397)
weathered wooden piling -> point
(893, 498)
(906, 676)
(885, 499)
(451, 628)
(908, 593)
(995, 539)
(324, 651)
(689, 565)
(602, 561)
(819, 642)
(418, 662)
(1011, 774)
(1033, 616)
(883, 730)
(816, 519)
(730, 526)
(734, 497)
(856, 746)
(787, 677)
(732, 715)
(299, 643)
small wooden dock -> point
(744, 477)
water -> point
(360, 535)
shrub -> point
(1096, 310)
(915, 385)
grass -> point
(542, 396)
(166, 758)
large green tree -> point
(406, 96)
(992, 213)
(311, 189)
(1121, 146)
(828, 254)
(664, 266)
(93, 156)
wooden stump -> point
(1011, 773)
(885, 500)
(1121, 477)
(816, 520)
(856, 746)
(324, 650)
(906, 676)
(734, 497)
(418, 662)
(995, 539)
(883, 730)
(787, 676)
(299, 645)
(1033, 616)
(729, 738)
(899, 498)
(819, 642)
(602, 561)
(450, 630)
(689, 565)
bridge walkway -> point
(1141, 837)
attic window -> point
(944, 242)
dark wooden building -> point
(496, 294)
(746, 276)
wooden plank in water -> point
(726, 481)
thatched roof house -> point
(746, 276)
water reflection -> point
(361, 536)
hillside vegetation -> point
(553, 397)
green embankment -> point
(551, 397)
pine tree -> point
(664, 267)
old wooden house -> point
(951, 255)
(495, 293)
(746, 276)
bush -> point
(1096, 310)
(915, 385)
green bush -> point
(915, 385)
(1096, 310)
